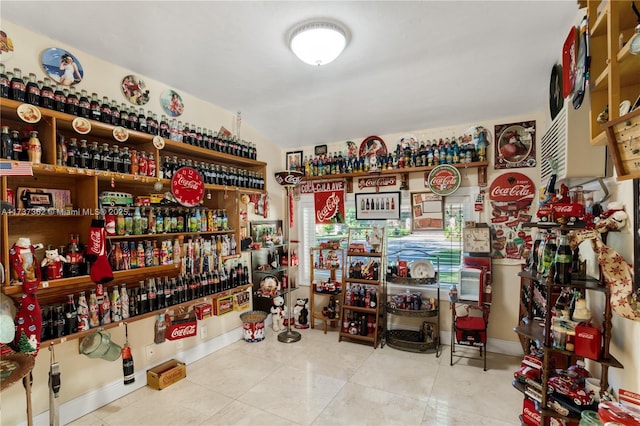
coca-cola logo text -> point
(512, 192)
(182, 331)
(443, 180)
(190, 184)
(329, 209)
(374, 182)
(94, 238)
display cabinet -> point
(270, 272)
(364, 292)
(614, 75)
(539, 336)
(78, 190)
(327, 281)
(413, 291)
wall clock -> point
(476, 240)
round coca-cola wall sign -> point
(187, 187)
(511, 193)
(443, 179)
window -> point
(443, 245)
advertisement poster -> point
(328, 200)
(515, 145)
(426, 211)
(511, 195)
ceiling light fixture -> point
(318, 42)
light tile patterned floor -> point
(320, 381)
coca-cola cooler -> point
(474, 284)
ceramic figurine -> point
(277, 313)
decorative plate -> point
(62, 66)
(135, 90)
(625, 107)
(29, 113)
(81, 125)
(120, 134)
(372, 145)
(556, 100)
(569, 55)
(158, 142)
(422, 269)
(172, 103)
(6, 47)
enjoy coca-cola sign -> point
(373, 182)
(443, 179)
(512, 187)
(187, 186)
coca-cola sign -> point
(288, 177)
(329, 206)
(443, 179)
(376, 182)
(182, 330)
(512, 187)
(187, 186)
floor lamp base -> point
(289, 336)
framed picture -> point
(267, 232)
(294, 160)
(427, 211)
(515, 145)
(320, 149)
(378, 206)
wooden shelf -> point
(360, 309)
(168, 234)
(129, 320)
(363, 254)
(362, 281)
(367, 338)
(534, 331)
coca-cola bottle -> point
(5, 84)
(84, 158)
(124, 302)
(83, 312)
(84, 106)
(58, 322)
(115, 113)
(71, 316)
(94, 310)
(7, 144)
(124, 116)
(73, 103)
(33, 91)
(105, 310)
(142, 299)
(94, 107)
(562, 261)
(160, 328)
(17, 86)
(60, 100)
(116, 305)
(127, 365)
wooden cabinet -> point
(614, 74)
(327, 281)
(84, 187)
(364, 293)
(535, 329)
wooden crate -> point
(623, 138)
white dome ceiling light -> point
(318, 42)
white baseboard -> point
(96, 398)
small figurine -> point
(277, 313)
(613, 219)
(53, 262)
(301, 313)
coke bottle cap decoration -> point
(187, 186)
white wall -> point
(80, 374)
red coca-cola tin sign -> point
(443, 179)
(514, 188)
(187, 186)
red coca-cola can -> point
(110, 224)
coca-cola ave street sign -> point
(443, 179)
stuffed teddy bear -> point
(277, 313)
(301, 313)
(53, 263)
(613, 219)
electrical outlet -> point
(179, 344)
(203, 332)
(151, 350)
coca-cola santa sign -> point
(443, 180)
(511, 195)
(187, 186)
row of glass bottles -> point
(121, 302)
(194, 254)
(20, 149)
(157, 220)
(48, 94)
(442, 152)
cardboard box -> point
(203, 310)
(223, 305)
(166, 374)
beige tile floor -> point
(319, 381)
